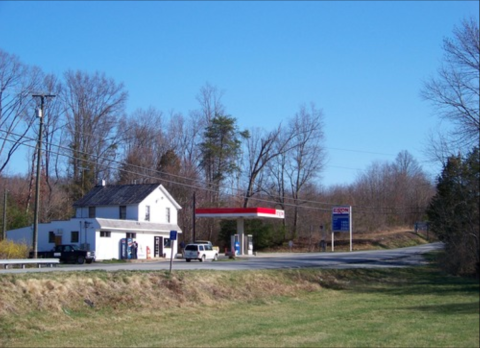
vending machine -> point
(235, 244)
(126, 248)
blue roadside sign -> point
(173, 235)
(341, 219)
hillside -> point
(392, 238)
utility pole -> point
(194, 216)
(39, 161)
(4, 230)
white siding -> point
(109, 212)
(63, 228)
(158, 203)
(21, 235)
(132, 212)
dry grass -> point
(415, 307)
(119, 291)
(123, 290)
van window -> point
(191, 247)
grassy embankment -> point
(411, 307)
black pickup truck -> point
(68, 253)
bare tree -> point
(276, 185)
(261, 148)
(17, 113)
(94, 103)
(306, 159)
(391, 194)
(455, 91)
(184, 134)
(210, 101)
(143, 144)
(51, 162)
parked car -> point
(200, 252)
(67, 253)
(207, 242)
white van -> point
(200, 252)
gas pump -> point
(235, 244)
(249, 244)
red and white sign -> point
(341, 210)
(240, 212)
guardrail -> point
(22, 262)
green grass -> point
(410, 307)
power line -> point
(195, 184)
(192, 186)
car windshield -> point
(191, 247)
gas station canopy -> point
(240, 213)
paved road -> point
(403, 257)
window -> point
(168, 214)
(105, 234)
(91, 212)
(147, 213)
(123, 212)
(74, 237)
(131, 235)
(166, 243)
(51, 237)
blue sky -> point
(363, 63)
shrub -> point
(12, 250)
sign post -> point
(173, 238)
(342, 222)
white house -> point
(109, 217)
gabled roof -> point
(116, 195)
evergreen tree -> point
(221, 151)
(454, 212)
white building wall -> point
(158, 203)
(132, 212)
(81, 212)
(60, 228)
(109, 212)
(106, 248)
(21, 235)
